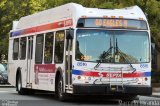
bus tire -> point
(19, 88)
(60, 94)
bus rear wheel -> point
(20, 90)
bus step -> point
(29, 85)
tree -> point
(11, 10)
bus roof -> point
(75, 11)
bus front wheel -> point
(60, 94)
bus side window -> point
(23, 48)
(59, 47)
(48, 51)
(39, 49)
(15, 49)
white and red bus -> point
(76, 50)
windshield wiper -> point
(117, 51)
(104, 55)
(98, 64)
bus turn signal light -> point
(145, 78)
(121, 17)
(79, 77)
(105, 16)
(83, 16)
(140, 18)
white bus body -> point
(60, 48)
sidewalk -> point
(156, 90)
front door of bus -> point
(29, 61)
(68, 63)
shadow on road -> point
(79, 100)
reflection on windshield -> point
(118, 56)
(112, 46)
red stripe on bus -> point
(110, 74)
(51, 26)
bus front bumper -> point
(109, 90)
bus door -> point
(68, 60)
(29, 61)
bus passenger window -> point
(39, 49)
(48, 51)
(15, 49)
(59, 47)
(23, 48)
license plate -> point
(116, 75)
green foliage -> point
(11, 10)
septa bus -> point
(76, 50)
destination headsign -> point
(112, 23)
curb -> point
(156, 89)
(6, 86)
(157, 96)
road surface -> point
(9, 97)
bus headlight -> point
(139, 80)
(81, 78)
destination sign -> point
(112, 23)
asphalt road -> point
(9, 97)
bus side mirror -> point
(69, 33)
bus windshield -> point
(110, 46)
